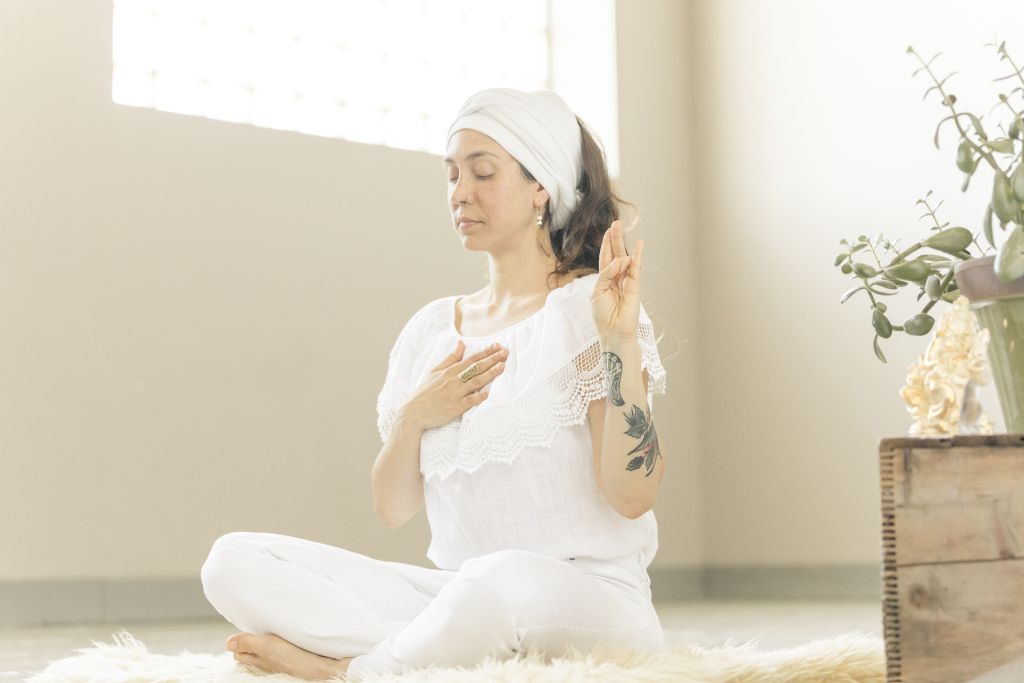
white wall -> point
(810, 129)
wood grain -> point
(953, 561)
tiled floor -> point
(773, 624)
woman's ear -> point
(540, 197)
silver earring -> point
(540, 220)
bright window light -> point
(385, 72)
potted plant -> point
(942, 266)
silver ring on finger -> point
(470, 372)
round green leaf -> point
(1017, 181)
(1003, 145)
(1003, 202)
(881, 324)
(918, 325)
(864, 270)
(965, 159)
(1009, 263)
(914, 270)
(951, 241)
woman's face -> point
(486, 185)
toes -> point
(241, 642)
(245, 658)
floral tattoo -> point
(641, 426)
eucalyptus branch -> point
(1004, 100)
(873, 253)
(1006, 55)
(948, 101)
(931, 212)
(974, 238)
(934, 275)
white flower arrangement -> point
(941, 392)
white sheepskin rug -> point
(853, 657)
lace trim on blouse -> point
(500, 433)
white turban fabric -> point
(540, 131)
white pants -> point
(393, 616)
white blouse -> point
(517, 470)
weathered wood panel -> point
(953, 561)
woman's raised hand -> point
(443, 396)
(615, 302)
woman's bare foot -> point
(274, 654)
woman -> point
(493, 416)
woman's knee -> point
(220, 571)
(513, 575)
(508, 563)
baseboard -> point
(47, 602)
(829, 582)
(64, 601)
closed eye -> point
(480, 177)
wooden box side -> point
(953, 562)
(890, 576)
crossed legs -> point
(368, 615)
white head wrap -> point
(540, 131)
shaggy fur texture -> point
(851, 658)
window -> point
(388, 72)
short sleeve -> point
(650, 360)
(402, 370)
(589, 362)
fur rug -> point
(851, 658)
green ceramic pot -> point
(1000, 309)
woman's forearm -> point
(395, 477)
(631, 463)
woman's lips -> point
(465, 223)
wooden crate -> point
(953, 558)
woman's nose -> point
(457, 188)
(458, 198)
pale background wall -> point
(810, 129)
(195, 315)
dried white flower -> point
(941, 392)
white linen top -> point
(517, 470)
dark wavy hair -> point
(577, 246)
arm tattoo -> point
(641, 426)
(613, 364)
